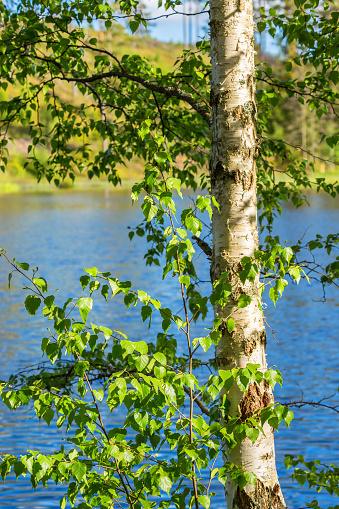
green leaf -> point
(23, 266)
(127, 346)
(215, 203)
(63, 503)
(281, 285)
(141, 362)
(165, 484)
(261, 25)
(48, 415)
(273, 377)
(41, 283)
(205, 343)
(159, 371)
(230, 325)
(143, 297)
(295, 272)
(92, 272)
(185, 280)
(32, 303)
(80, 367)
(175, 183)
(161, 358)
(121, 384)
(273, 294)
(49, 301)
(170, 392)
(146, 312)
(162, 157)
(73, 454)
(149, 209)
(244, 301)
(252, 434)
(193, 225)
(286, 255)
(99, 394)
(141, 347)
(107, 332)
(19, 468)
(114, 284)
(128, 456)
(85, 305)
(227, 378)
(79, 470)
(205, 501)
(204, 203)
(84, 281)
(52, 352)
(251, 478)
(249, 271)
(289, 418)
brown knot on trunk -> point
(264, 497)
(253, 400)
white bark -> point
(235, 235)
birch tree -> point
(235, 237)
(138, 110)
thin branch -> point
(160, 113)
(198, 401)
(285, 86)
(170, 91)
(301, 403)
(136, 16)
(301, 149)
(203, 246)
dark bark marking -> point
(217, 172)
(225, 362)
(253, 400)
(241, 5)
(248, 180)
(263, 498)
(237, 112)
(248, 110)
(267, 456)
(266, 399)
(249, 345)
(215, 27)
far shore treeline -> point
(291, 121)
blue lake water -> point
(64, 232)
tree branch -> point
(198, 401)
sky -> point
(186, 29)
(177, 27)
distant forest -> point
(292, 121)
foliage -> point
(142, 111)
(150, 381)
(316, 475)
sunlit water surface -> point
(62, 233)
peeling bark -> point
(235, 235)
(255, 399)
(265, 497)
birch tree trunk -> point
(235, 235)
